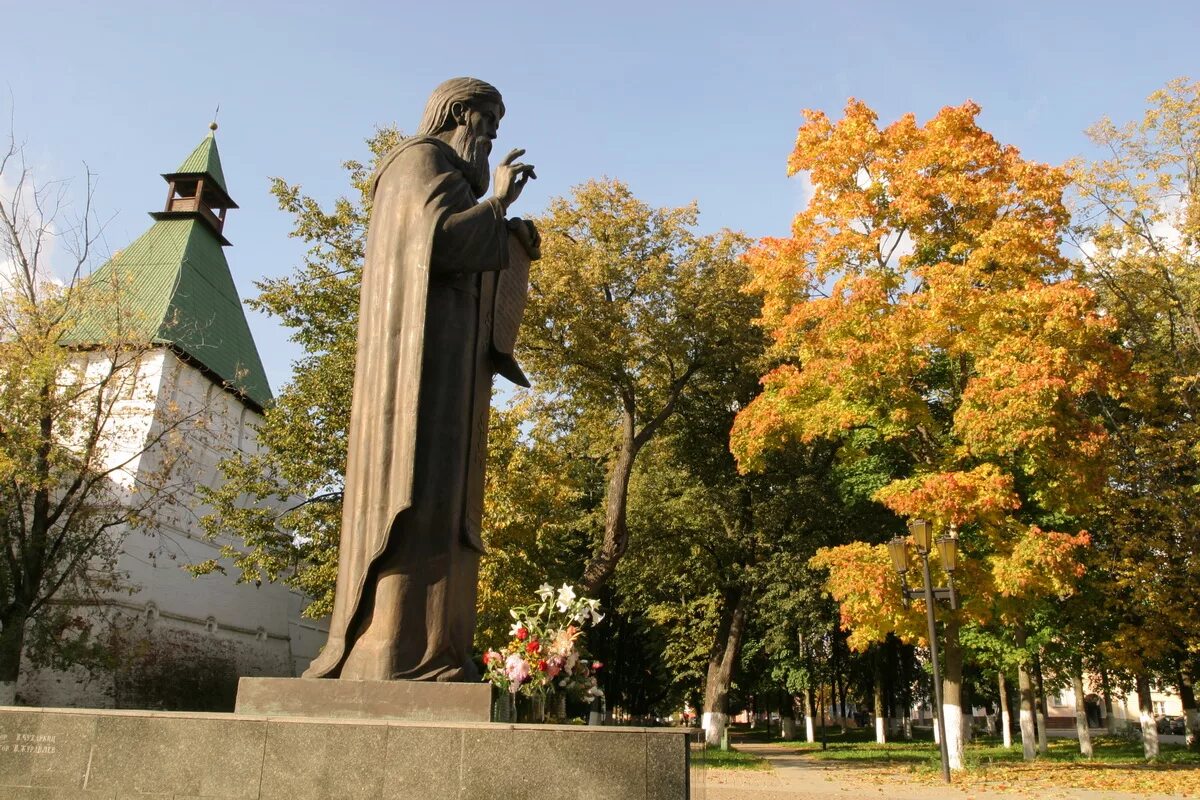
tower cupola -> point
(197, 189)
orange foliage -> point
(1039, 563)
(982, 495)
(862, 581)
(922, 295)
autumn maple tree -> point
(922, 303)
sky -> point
(685, 102)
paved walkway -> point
(797, 777)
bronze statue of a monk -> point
(404, 606)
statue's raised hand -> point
(511, 177)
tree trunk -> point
(1191, 715)
(967, 703)
(1005, 716)
(903, 717)
(838, 697)
(12, 642)
(1149, 724)
(952, 691)
(789, 719)
(616, 502)
(810, 726)
(1025, 686)
(1043, 741)
(1110, 719)
(880, 720)
(1081, 720)
(720, 666)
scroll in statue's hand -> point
(527, 234)
(511, 177)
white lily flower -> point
(515, 629)
(565, 595)
(545, 591)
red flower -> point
(542, 665)
(533, 646)
(521, 634)
(596, 665)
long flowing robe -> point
(418, 426)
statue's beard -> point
(474, 150)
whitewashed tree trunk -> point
(937, 731)
(1005, 716)
(721, 663)
(714, 723)
(1191, 722)
(1028, 737)
(954, 734)
(1149, 724)
(810, 726)
(952, 696)
(880, 721)
(1081, 720)
(1110, 719)
(1191, 714)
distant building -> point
(179, 642)
(1060, 705)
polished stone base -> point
(418, 701)
(86, 754)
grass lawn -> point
(716, 758)
(1118, 764)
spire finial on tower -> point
(212, 126)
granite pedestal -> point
(87, 754)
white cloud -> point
(806, 190)
(1165, 229)
(35, 229)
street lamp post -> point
(922, 534)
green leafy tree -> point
(629, 309)
(1138, 231)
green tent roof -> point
(205, 158)
(175, 288)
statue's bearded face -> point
(472, 140)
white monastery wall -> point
(170, 624)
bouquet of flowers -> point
(545, 653)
